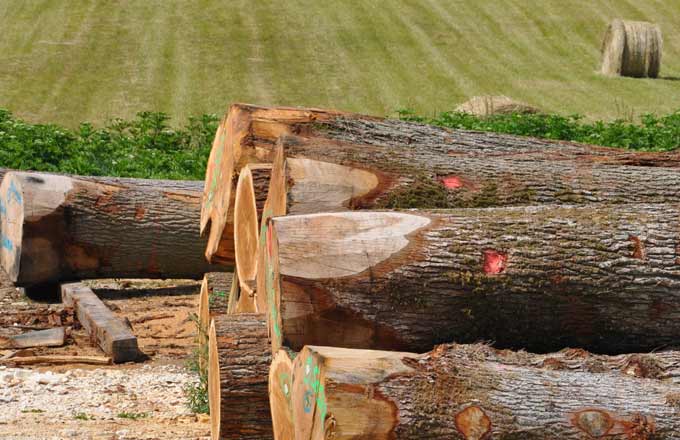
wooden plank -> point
(58, 359)
(53, 337)
(109, 332)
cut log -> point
(458, 392)
(53, 337)
(542, 278)
(238, 367)
(110, 333)
(251, 192)
(422, 166)
(280, 392)
(60, 228)
(59, 360)
(213, 300)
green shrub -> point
(652, 133)
(146, 146)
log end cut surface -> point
(280, 392)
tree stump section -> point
(421, 166)
(460, 392)
(60, 228)
(238, 368)
(604, 278)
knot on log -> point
(642, 366)
(594, 422)
(473, 423)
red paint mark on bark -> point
(452, 182)
(140, 212)
(639, 251)
(473, 423)
(494, 262)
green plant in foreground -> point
(197, 392)
(82, 416)
(132, 415)
(33, 410)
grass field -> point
(69, 61)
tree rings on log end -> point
(280, 395)
(246, 233)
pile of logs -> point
(398, 280)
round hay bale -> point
(632, 48)
(494, 105)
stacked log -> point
(464, 392)
(406, 165)
(526, 243)
(540, 278)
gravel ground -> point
(129, 401)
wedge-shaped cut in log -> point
(110, 333)
(280, 394)
(422, 166)
(60, 228)
(541, 278)
(238, 367)
(213, 300)
(460, 392)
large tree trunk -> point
(605, 278)
(469, 393)
(59, 228)
(407, 165)
(238, 367)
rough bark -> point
(59, 228)
(460, 392)
(280, 392)
(604, 278)
(213, 300)
(238, 368)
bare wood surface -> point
(110, 333)
(53, 337)
(59, 360)
(541, 278)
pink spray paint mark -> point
(494, 262)
(452, 182)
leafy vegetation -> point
(197, 392)
(132, 415)
(146, 146)
(652, 133)
(82, 416)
